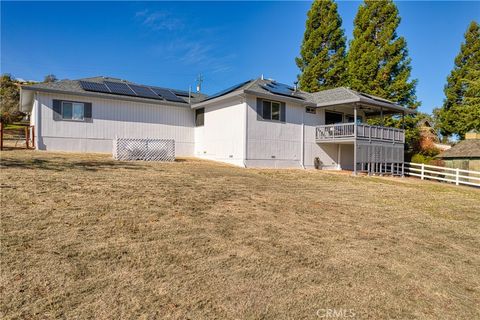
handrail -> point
(364, 131)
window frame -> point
(72, 103)
(271, 103)
(359, 118)
(196, 117)
(335, 112)
(311, 108)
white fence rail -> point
(144, 149)
(452, 175)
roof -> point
(74, 87)
(463, 149)
(343, 95)
(369, 103)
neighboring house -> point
(258, 123)
(465, 154)
(429, 137)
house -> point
(465, 154)
(257, 123)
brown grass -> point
(83, 236)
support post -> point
(403, 120)
(457, 176)
(355, 141)
(1, 136)
(381, 115)
(27, 132)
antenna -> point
(199, 82)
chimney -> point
(295, 86)
(261, 77)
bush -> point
(418, 158)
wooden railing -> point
(452, 175)
(346, 131)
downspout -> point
(245, 144)
(302, 162)
(355, 141)
(36, 105)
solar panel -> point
(94, 86)
(181, 93)
(120, 88)
(166, 94)
(144, 92)
(228, 90)
(281, 89)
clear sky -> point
(170, 43)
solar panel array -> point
(281, 89)
(133, 90)
(228, 90)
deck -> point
(348, 132)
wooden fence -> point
(451, 175)
(23, 134)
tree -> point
(461, 108)
(322, 55)
(378, 61)
(9, 99)
(50, 78)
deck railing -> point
(346, 131)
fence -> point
(19, 133)
(144, 149)
(452, 175)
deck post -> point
(355, 140)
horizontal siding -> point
(112, 118)
(222, 137)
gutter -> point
(108, 96)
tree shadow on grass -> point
(60, 164)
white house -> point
(258, 123)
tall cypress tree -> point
(378, 61)
(461, 107)
(322, 56)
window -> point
(199, 117)
(271, 110)
(73, 110)
(333, 117)
(311, 110)
(350, 118)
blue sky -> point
(170, 43)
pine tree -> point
(322, 55)
(461, 108)
(378, 61)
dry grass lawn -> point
(83, 236)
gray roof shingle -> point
(463, 149)
(73, 86)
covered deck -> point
(375, 149)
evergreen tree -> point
(461, 108)
(378, 61)
(322, 55)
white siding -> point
(111, 118)
(222, 138)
